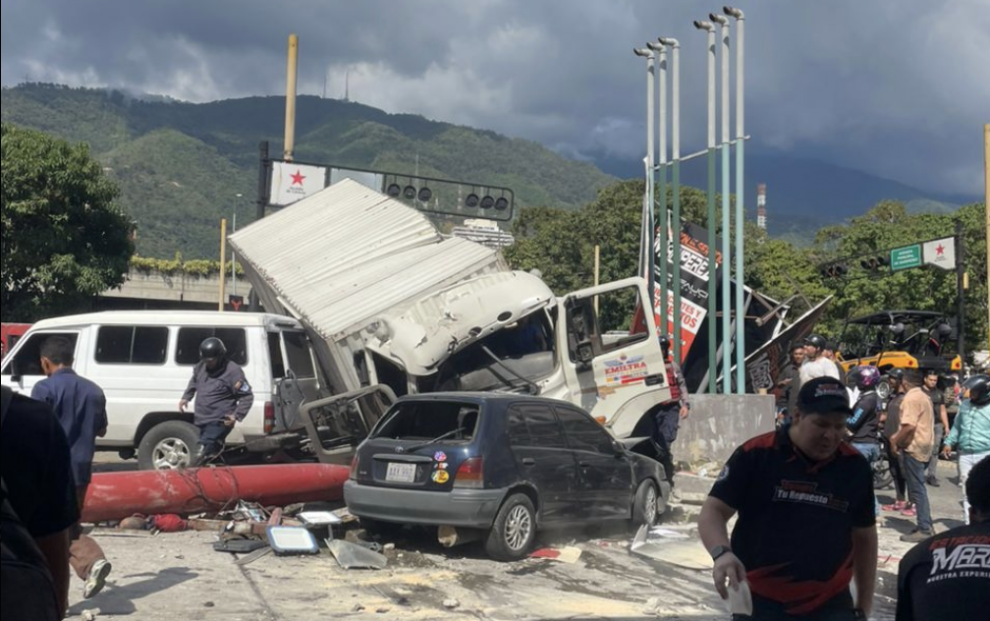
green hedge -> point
(198, 268)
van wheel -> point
(514, 530)
(168, 446)
(646, 508)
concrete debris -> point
(89, 615)
(451, 604)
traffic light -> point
(834, 270)
(874, 264)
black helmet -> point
(896, 374)
(979, 389)
(212, 348)
(816, 340)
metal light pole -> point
(709, 28)
(986, 208)
(726, 210)
(740, 197)
(661, 221)
(675, 227)
(233, 253)
(647, 254)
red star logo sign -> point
(940, 250)
(298, 178)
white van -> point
(143, 361)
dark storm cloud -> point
(899, 88)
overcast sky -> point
(898, 88)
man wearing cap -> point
(915, 440)
(807, 522)
(815, 363)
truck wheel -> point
(514, 530)
(646, 508)
(168, 446)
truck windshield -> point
(425, 421)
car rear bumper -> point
(463, 508)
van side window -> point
(275, 355)
(131, 345)
(27, 362)
(297, 351)
(187, 349)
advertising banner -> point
(294, 182)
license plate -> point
(401, 473)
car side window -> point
(544, 428)
(583, 433)
(27, 362)
(518, 431)
(275, 355)
(299, 358)
(131, 345)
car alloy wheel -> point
(518, 528)
(652, 510)
(172, 454)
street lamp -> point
(675, 227)
(727, 340)
(647, 261)
(661, 248)
(740, 194)
(709, 29)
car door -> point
(605, 486)
(610, 349)
(544, 460)
(294, 375)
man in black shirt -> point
(40, 487)
(807, 522)
(947, 578)
(790, 384)
(941, 424)
(891, 419)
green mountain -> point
(181, 166)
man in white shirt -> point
(815, 363)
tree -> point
(64, 239)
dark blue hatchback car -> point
(502, 463)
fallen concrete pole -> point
(118, 495)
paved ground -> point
(179, 576)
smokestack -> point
(761, 206)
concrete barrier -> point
(720, 423)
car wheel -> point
(646, 508)
(514, 530)
(168, 446)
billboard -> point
(763, 367)
(694, 284)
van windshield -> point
(426, 421)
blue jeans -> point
(914, 472)
(872, 454)
(870, 451)
(212, 437)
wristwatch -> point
(719, 551)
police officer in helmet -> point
(223, 398)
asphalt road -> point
(178, 576)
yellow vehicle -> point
(905, 339)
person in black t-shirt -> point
(807, 523)
(947, 578)
(40, 487)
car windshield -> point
(428, 420)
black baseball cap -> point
(824, 395)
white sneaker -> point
(97, 578)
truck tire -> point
(171, 445)
(514, 531)
(646, 508)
